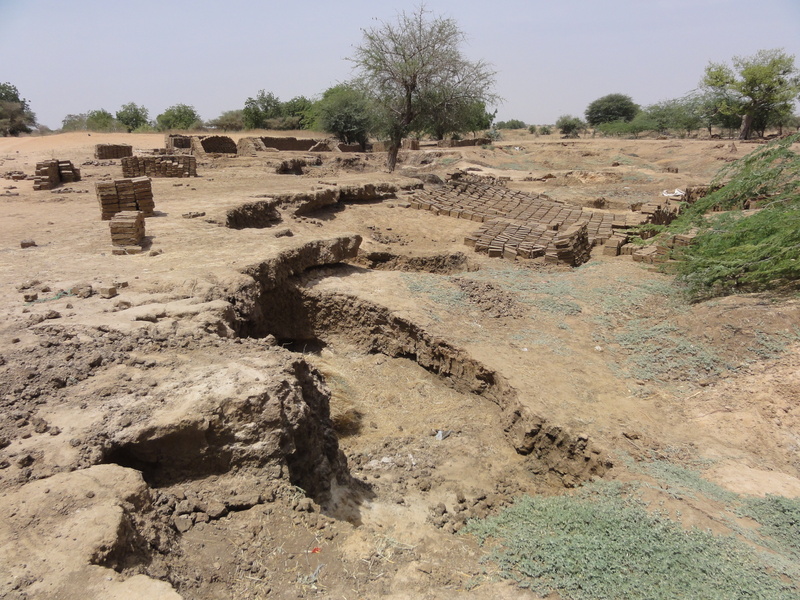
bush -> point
(532, 129)
(734, 252)
(570, 126)
(545, 130)
(511, 124)
(493, 134)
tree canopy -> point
(132, 116)
(346, 112)
(15, 115)
(179, 116)
(413, 67)
(610, 108)
(755, 87)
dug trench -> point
(235, 439)
(281, 303)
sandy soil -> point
(140, 449)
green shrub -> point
(511, 124)
(545, 130)
(570, 126)
(746, 252)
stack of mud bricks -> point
(664, 248)
(127, 232)
(696, 192)
(571, 246)
(661, 212)
(159, 166)
(517, 224)
(613, 245)
(106, 151)
(51, 173)
(134, 194)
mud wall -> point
(221, 144)
(288, 143)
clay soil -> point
(268, 411)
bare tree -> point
(412, 67)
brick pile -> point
(159, 166)
(469, 177)
(127, 231)
(135, 194)
(51, 173)
(664, 247)
(571, 245)
(661, 212)
(106, 151)
(518, 224)
(696, 192)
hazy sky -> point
(553, 57)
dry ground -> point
(608, 351)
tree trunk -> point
(747, 123)
(391, 159)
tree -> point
(180, 116)
(301, 109)
(74, 122)
(756, 87)
(570, 126)
(15, 115)
(346, 112)
(132, 116)
(230, 120)
(613, 107)
(100, 120)
(452, 118)
(412, 67)
(265, 105)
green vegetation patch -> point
(752, 251)
(602, 543)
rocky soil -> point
(302, 388)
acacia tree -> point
(414, 65)
(757, 87)
(613, 107)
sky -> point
(552, 57)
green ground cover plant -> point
(602, 543)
